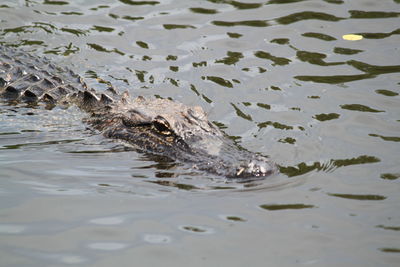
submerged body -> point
(157, 126)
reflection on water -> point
(285, 206)
(359, 197)
(280, 77)
(331, 165)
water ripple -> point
(280, 77)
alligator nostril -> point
(257, 167)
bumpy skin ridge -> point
(157, 126)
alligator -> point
(155, 126)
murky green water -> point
(277, 76)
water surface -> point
(277, 76)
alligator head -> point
(167, 128)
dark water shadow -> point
(327, 166)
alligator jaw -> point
(226, 159)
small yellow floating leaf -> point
(352, 37)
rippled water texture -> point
(312, 84)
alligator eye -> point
(162, 125)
